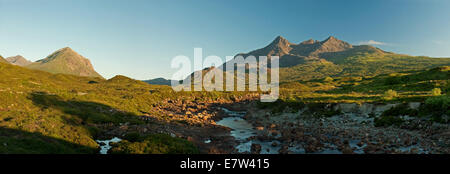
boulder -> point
(255, 149)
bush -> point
(390, 94)
(391, 80)
(322, 110)
(436, 92)
(447, 87)
(280, 105)
(328, 79)
(133, 137)
(436, 107)
(154, 144)
(388, 121)
(439, 103)
(400, 110)
(392, 115)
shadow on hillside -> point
(85, 112)
(15, 141)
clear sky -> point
(139, 38)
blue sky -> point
(139, 38)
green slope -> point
(370, 61)
(422, 80)
(409, 85)
(360, 65)
(42, 112)
(309, 71)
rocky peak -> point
(331, 38)
(18, 60)
(280, 46)
(332, 41)
(66, 61)
(66, 50)
(309, 42)
(332, 44)
(280, 42)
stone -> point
(360, 143)
(274, 144)
(273, 126)
(255, 149)
(274, 133)
(123, 127)
(284, 150)
(347, 150)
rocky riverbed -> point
(241, 127)
(242, 131)
(351, 132)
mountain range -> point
(64, 61)
(292, 54)
(313, 59)
(159, 81)
(307, 60)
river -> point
(242, 130)
(105, 146)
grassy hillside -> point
(411, 81)
(309, 70)
(42, 112)
(66, 108)
(429, 87)
(408, 85)
(375, 64)
(359, 64)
